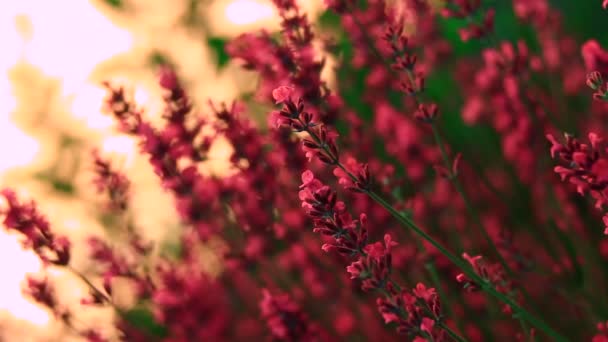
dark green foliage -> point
(143, 320)
(218, 45)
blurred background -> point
(55, 54)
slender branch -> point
(484, 284)
(93, 288)
(467, 202)
(461, 264)
(452, 333)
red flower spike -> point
(372, 262)
(35, 229)
(42, 292)
(113, 183)
(583, 165)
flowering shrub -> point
(361, 217)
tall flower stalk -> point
(322, 145)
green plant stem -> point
(437, 282)
(453, 178)
(91, 286)
(452, 333)
(472, 212)
(466, 268)
(484, 284)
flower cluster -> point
(25, 219)
(285, 319)
(584, 165)
(177, 142)
(114, 184)
(415, 314)
(469, 10)
(596, 61)
(432, 129)
(190, 304)
(52, 250)
(491, 273)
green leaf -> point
(143, 320)
(63, 186)
(157, 59)
(59, 185)
(219, 46)
(114, 3)
(329, 19)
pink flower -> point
(378, 250)
(421, 291)
(595, 57)
(168, 78)
(307, 178)
(426, 112)
(356, 177)
(427, 325)
(282, 93)
(355, 269)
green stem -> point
(472, 212)
(465, 267)
(524, 328)
(484, 284)
(91, 286)
(452, 333)
(437, 282)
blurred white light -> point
(69, 42)
(87, 105)
(122, 145)
(21, 263)
(244, 12)
(16, 148)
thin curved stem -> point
(91, 286)
(454, 335)
(472, 212)
(461, 264)
(484, 284)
